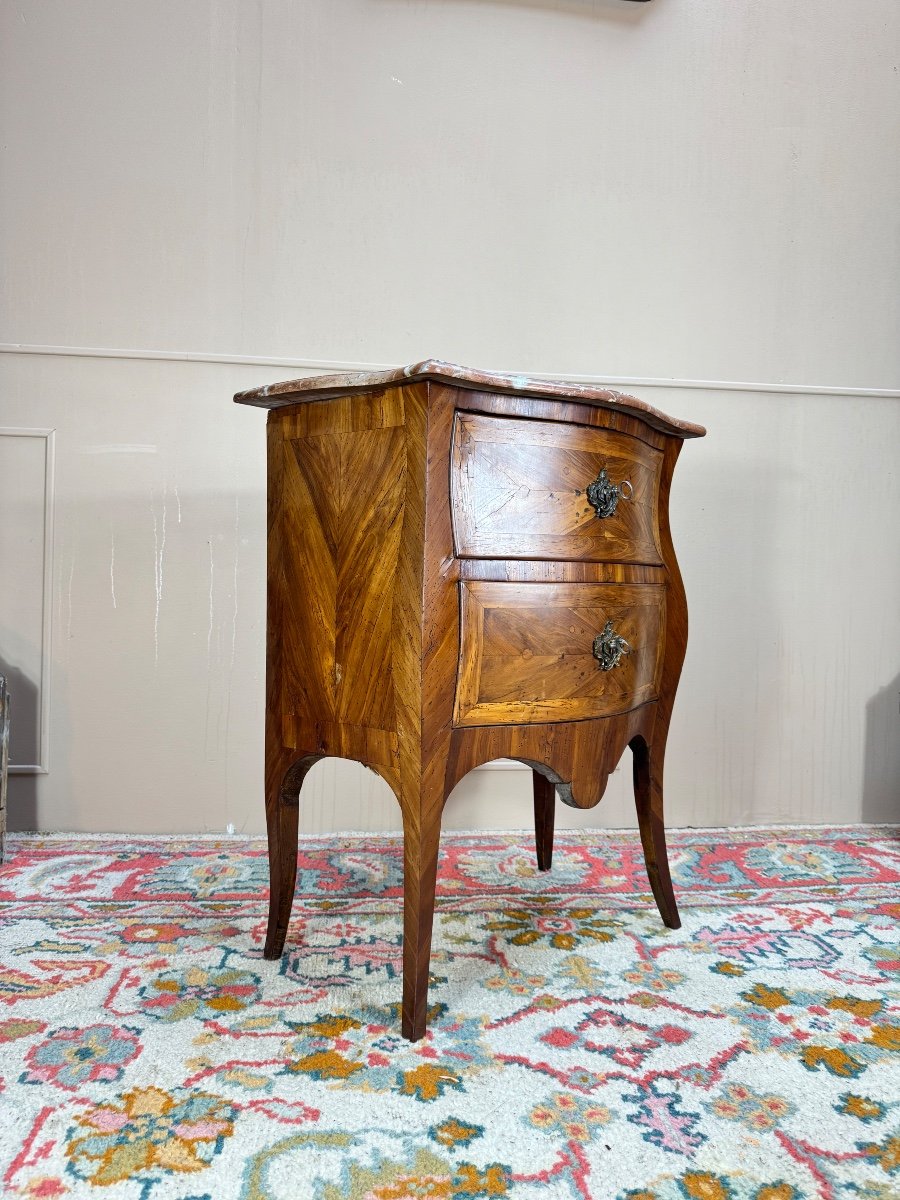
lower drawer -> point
(539, 652)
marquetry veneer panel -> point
(519, 491)
(337, 649)
(527, 651)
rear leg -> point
(282, 812)
(544, 814)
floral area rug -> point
(576, 1047)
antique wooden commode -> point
(466, 566)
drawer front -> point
(537, 652)
(520, 489)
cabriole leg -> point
(648, 798)
(282, 812)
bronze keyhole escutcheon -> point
(609, 647)
(604, 495)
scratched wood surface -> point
(391, 641)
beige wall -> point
(675, 191)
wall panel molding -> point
(328, 366)
(42, 766)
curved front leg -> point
(648, 798)
(421, 838)
(282, 812)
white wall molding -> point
(336, 367)
(42, 766)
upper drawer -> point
(520, 490)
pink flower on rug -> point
(72, 1057)
(108, 1120)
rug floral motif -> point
(576, 1047)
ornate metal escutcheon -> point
(604, 495)
(609, 647)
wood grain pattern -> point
(377, 630)
(527, 656)
(343, 670)
(519, 491)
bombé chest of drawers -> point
(464, 566)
